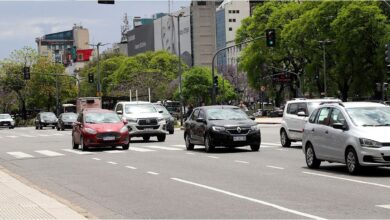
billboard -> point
(166, 34)
(140, 39)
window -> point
(337, 117)
(201, 2)
(238, 11)
(234, 20)
(230, 11)
(119, 108)
(313, 116)
(194, 115)
(233, 11)
(323, 116)
(202, 114)
(302, 108)
(230, 29)
(292, 108)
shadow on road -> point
(342, 169)
(223, 150)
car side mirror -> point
(301, 114)
(160, 111)
(339, 126)
(202, 120)
(252, 117)
(119, 112)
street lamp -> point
(324, 43)
(99, 85)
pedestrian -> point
(243, 106)
(189, 111)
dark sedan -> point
(221, 125)
(66, 120)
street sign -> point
(282, 78)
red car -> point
(99, 128)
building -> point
(138, 21)
(140, 39)
(67, 46)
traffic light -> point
(215, 81)
(90, 77)
(270, 36)
(26, 73)
(106, 2)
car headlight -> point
(132, 120)
(369, 143)
(160, 119)
(255, 128)
(90, 131)
(42, 120)
(124, 129)
(218, 128)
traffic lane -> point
(270, 133)
(110, 189)
(317, 195)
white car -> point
(144, 120)
(294, 117)
(353, 133)
(7, 121)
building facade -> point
(140, 39)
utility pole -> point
(323, 43)
(99, 82)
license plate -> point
(239, 138)
(109, 138)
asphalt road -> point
(163, 180)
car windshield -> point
(226, 114)
(163, 109)
(48, 116)
(69, 117)
(101, 117)
(5, 116)
(146, 108)
(370, 116)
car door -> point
(336, 137)
(301, 120)
(320, 133)
(192, 125)
(77, 128)
(201, 127)
(292, 120)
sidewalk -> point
(264, 120)
(19, 201)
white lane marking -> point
(190, 153)
(115, 151)
(26, 135)
(282, 149)
(275, 167)
(152, 173)
(57, 134)
(213, 157)
(110, 162)
(161, 147)
(240, 161)
(178, 145)
(20, 155)
(11, 136)
(306, 215)
(272, 144)
(130, 167)
(140, 149)
(384, 206)
(95, 158)
(267, 146)
(77, 151)
(346, 179)
(49, 153)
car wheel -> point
(82, 144)
(209, 147)
(352, 161)
(40, 127)
(53, 127)
(12, 127)
(311, 159)
(255, 147)
(62, 129)
(58, 128)
(171, 131)
(161, 138)
(126, 146)
(74, 145)
(284, 139)
(189, 146)
(36, 127)
(146, 138)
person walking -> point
(189, 111)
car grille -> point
(102, 135)
(386, 158)
(3, 123)
(147, 121)
(147, 127)
(235, 130)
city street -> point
(163, 180)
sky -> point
(23, 21)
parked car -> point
(143, 120)
(221, 125)
(99, 128)
(45, 119)
(294, 117)
(168, 118)
(355, 133)
(7, 121)
(66, 120)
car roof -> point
(135, 102)
(96, 110)
(363, 104)
(314, 100)
(218, 107)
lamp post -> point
(99, 84)
(324, 43)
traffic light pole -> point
(213, 91)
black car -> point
(45, 119)
(221, 125)
(66, 120)
(168, 118)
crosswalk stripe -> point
(178, 145)
(161, 147)
(49, 153)
(77, 151)
(140, 149)
(20, 155)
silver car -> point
(353, 133)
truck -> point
(88, 102)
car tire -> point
(62, 129)
(58, 128)
(284, 140)
(74, 145)
(161, 138)
(36, 127)
(209, 147)
(126, 146)
(40, 127)
(189, 146)
(311, 159)
(53, 127)
(12, 127)
(255, 147)
(82, 144)
(171, 131)
(352, 161)
(146, 138)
